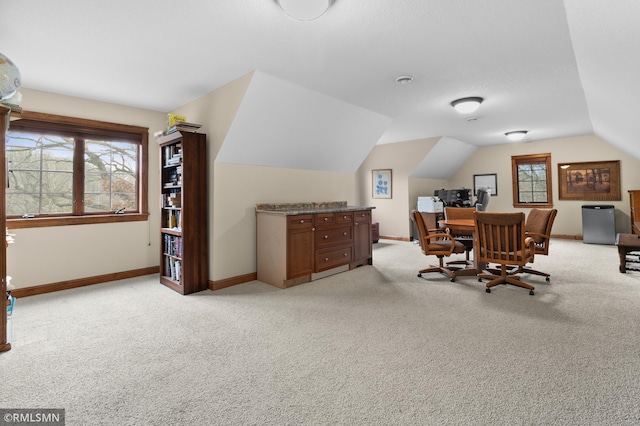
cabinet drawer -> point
(362, 216)
(344, 218)
(332, 257)
(300, 221)
(325, 219)
(333, 236)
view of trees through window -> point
(44, 171)
(531, 176)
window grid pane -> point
(532, 183)
(110, 172)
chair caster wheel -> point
(488, 290)
(479, 280)
(547, 279)
(531, 293)
(419, 275)
(453, 280)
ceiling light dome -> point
(9, 78)
(304, 10)
(516, 135)
(467, 105)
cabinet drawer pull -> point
(326, 237)
(326, 219)
(356, 223)
(344, 233)
(301, 220)
(326, 259)
(344, 217)
(346, 254)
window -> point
(531, 176)
(65, 170)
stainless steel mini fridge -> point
(598, 224)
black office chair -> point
(483, 196)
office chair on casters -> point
(502, 240)
(483, 196)
(437, 244)
(538, 226)
(465, 237)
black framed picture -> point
(489, 181)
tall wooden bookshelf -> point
(4, 123)
(183, 194)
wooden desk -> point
(466, 225)
(628, 243)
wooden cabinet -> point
(634, 200)
(362, 243)
(4, 121)
(183, 233)
(298, 248)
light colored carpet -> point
(373, 346)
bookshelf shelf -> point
(183, 212)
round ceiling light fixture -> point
(467, 105)
(516, 135)
(9, 78)
(304, 10)
(404, 79)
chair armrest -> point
(530, 247)
(442, 237)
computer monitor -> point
(483, 195)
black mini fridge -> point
(598, 224)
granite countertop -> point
(307, 208)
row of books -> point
(172, 199)
(173, 154)
(172, 268)
(172, 245)
(174, 177)
(174, 219)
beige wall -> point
(403, 158)
(497, 159)
(49, 255)
(235, 189)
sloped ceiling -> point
(281, 124)
(606, 42)
(456, 153)
(555, 68)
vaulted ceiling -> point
(555, 68)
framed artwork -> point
(381, 183)
(590, 181)
(489, 181)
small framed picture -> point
(381, 183)
(489, 181)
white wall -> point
(49, 255)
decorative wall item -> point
(381, 183)
(489, 181)
(590, 181)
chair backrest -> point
(429, 247)
(538, 226)
(501, 238)
(483, 196)
(451, 213)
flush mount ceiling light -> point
(9, 78)
(467, 105)
(404, 79)
(304, 10)
(516, 135)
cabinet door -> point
(362, 235)
(300, 246)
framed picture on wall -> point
(489, 181)
(381, 183)
(590, 181)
